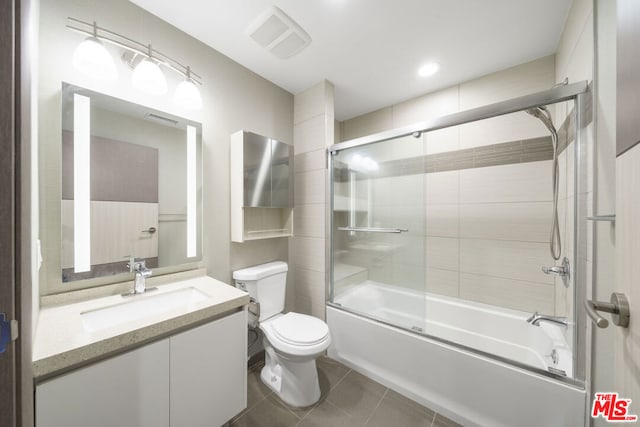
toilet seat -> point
(296, 334)
(300, 329)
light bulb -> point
(428, 69)
(148, 77)
(188, 96)
(92, 58)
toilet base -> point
(295, 381)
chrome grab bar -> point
(374, 230)
(618, 307)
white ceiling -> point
(371, 49)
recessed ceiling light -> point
(428, 69)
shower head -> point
(542, 114)
(538, 112)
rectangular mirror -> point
(131, 186)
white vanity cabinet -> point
(131, 389)
(194, 378)
(209, 375)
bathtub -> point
(475, 384)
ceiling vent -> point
(279, 34)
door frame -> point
(16, 387)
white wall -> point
(234, 98)
(604, 274)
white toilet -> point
(292, 341)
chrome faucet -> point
(142, 273)
(536, 318)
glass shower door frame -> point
(577, 92)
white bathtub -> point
(466, 386)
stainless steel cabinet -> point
(267, 166)
(261, 187)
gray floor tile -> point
(348, 399)
(442, 421)
(331, 371)
(399, 411)
(326, 414)
(357, 395)
(268, 413)
(415, 405)
(256, 389)
(298, 412)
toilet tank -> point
(267, 284)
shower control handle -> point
(618, 307)
(563, 270)
(554, 270)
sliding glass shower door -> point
(379, 230)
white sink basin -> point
(138, 307)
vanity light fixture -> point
(148, 77)
(147, 63)
(187, 94)
(91, 57)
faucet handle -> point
(563, 271)
(135, 264)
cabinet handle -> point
(149, 230)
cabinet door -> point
(208, 373)
(129, 390)
(281, 175)
(257, 170)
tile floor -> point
(348, 399)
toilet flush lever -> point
(618, 307)
(254, 310)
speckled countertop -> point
(63, 341)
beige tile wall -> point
(486, 229)
(313, 131)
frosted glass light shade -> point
(188, 96)
(148, 77)
(92, 58)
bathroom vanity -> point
(178, 359)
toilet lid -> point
(300, 329)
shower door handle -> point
(374, 230)
(618, 307)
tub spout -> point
(536, 318)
